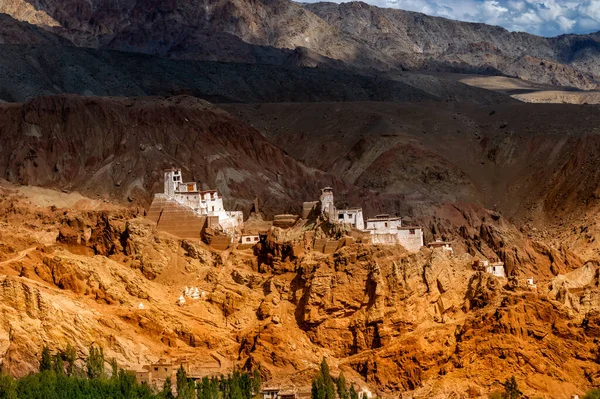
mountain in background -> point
(348, 35)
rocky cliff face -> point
(424, 323)
(338, 35)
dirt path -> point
(17, 258)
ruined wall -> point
(176, 219)
(412, 242)
(309, 209)
(384, 239)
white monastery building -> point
(444, 245)
(353, 216)
(384, 223)
(202, 202)
(365, 393)
(386, 230)
(494, 268)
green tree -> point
(323, 386)
(511, 389)
(95, 363)
(235, 389)
(256, 382)
(58, 366)
(114, 366)
(327, 380)
(185, 390)
(591, 394)
(8, 387)
(342, 387)
(317, 390)
(167, 391)
(69, 355)
(353, 393)
(46, 361)
(126, 382)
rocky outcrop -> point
(424, 324)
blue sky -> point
(540, 17)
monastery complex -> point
(191, 211)
(383, 229)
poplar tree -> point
(342, 387)
(46, 361)
(70, 356)
(185, 388)
(323, 386)
(58, 365)
(511, 389)
(95, 363)
(114, 368)
(256, 383)
(167, 391)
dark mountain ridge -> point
(33, 70)
(354, 35)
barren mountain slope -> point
(354, 33)
(119, 147)
(424, 322)
(27, 72)
(531, 162)
(13, 31)
(522, 90)
(423, 42)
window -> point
(385, 224)
(248, 239)
(174, 178)
(411, 231)
(213, 208)
(255, 238)
(155, 368)
(349, 216)
(341, 216)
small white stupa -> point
(195, 293)
(141, 306)
(181, 300)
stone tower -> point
(172, 180)
(327, 207)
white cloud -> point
(541, 17)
